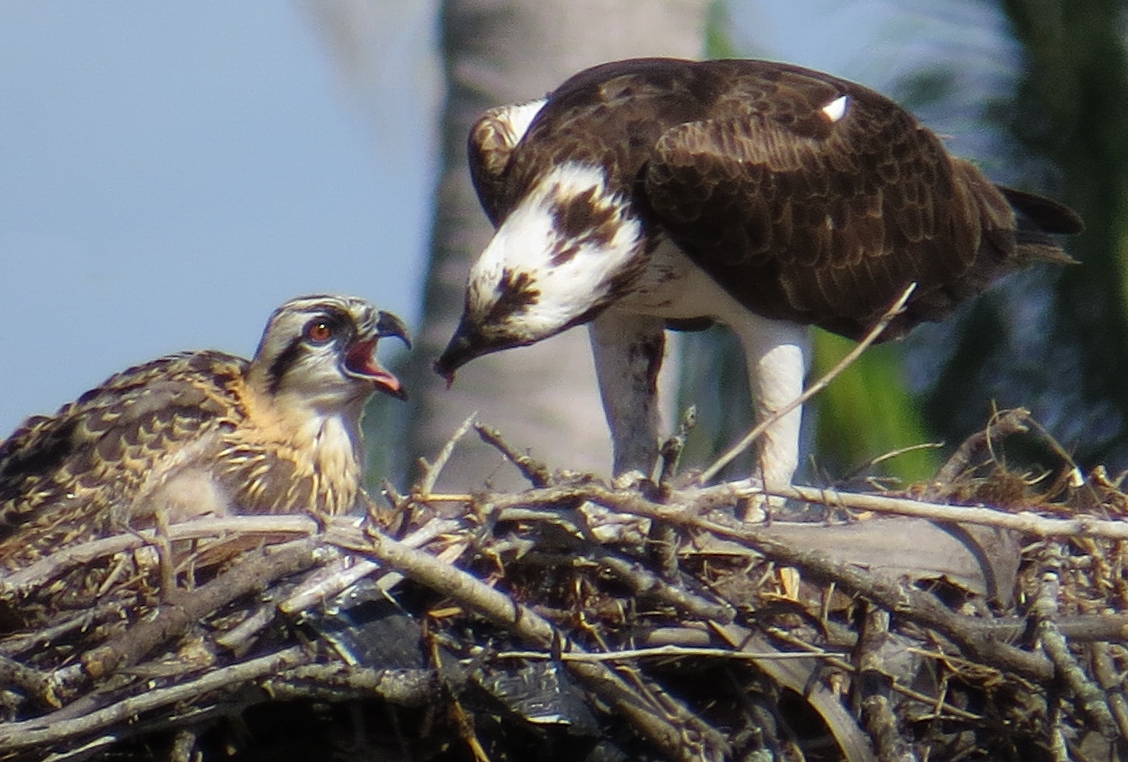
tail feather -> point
(1039, 219)
(1042, 213)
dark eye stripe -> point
(342, 330)
(283, 362)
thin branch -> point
(336, 578)
(21, 581)
(173, 619)
(838, 663)
(175, 720)
(51, 729)
(31, 681)
(537, 473)
(644, 582)
(1025, 521)
(1112, 685)
(663, 652)
(336, 682)
(874, 689)
(1043, 609)
(431, 471)
(1001, 426)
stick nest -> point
(976, 617)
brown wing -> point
(492, 140)
(75, 472)
(809, 208)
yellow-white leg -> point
(777, 353)
(628, 352)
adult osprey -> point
(656, 193)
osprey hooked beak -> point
(467, 343)
(360, 357)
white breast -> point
(190, 494)
(182, 486)
(672, 286)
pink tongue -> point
(361, 359)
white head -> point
(569, 248)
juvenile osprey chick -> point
(658, 193)
(204, 432)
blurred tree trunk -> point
(542, 397)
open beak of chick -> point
(360, 358)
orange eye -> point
(318, 331)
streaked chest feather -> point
(269, 468)
(580, 245)
(292, 466)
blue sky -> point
(170, 172)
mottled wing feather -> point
(73, 471)
(488, 150)
(492, 140)
(806, 217)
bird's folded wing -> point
(108, 439)
(809, 217)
